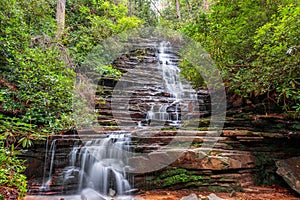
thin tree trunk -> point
(60, 17)
(153, 3)
(206, 6)
(129, 8)
(178, 10)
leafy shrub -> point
(11, 169)
(91, 22)
(255, 45)
(277, 43)
(35, 84)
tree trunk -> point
(156, 8)
(178, 10)
(206, 6)
(60, 17)
(129, 8)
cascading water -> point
(102, 165)
(99, 166)
(51, 155)
(170, 70)
(169, 113)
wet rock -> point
(192, 196)
(160, 157)
(90, 194)
(132, 191)
(124, 198)
(289, 169)
(112, 192)
(212, 196)
(203, 92)
(149, 59)
(217, 160)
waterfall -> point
(169, 113)
(101, 165)
(170, 70)
(51, 154)
(150, 115)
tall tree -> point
(60, 17)
(178, 10)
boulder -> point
(192, 196)
(90, 194)
(289, 169)
(212, 196)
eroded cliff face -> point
(244, 154)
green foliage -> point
(277, 43)
(35, 85)
(11, 170)
(41, 19)
(191, 74)
(142, 9)
(108, 70)
(266, 169)
(252, 42)
(37, 89)
(190, 10)
(177, 176)
(90, 22)
(37, 69)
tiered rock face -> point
(244, 153)
(38, 161)
(239, 159)
(141, 89)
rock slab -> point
(192, 196)
(289, 169)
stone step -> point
(178, 138)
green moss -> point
(202, 129)
(197, 144)
(169, 129)
(177, 176)
(173, 171)
(182, 178)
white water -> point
(51, 154)
(100, 165)
(170, 71)
(169, 113)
